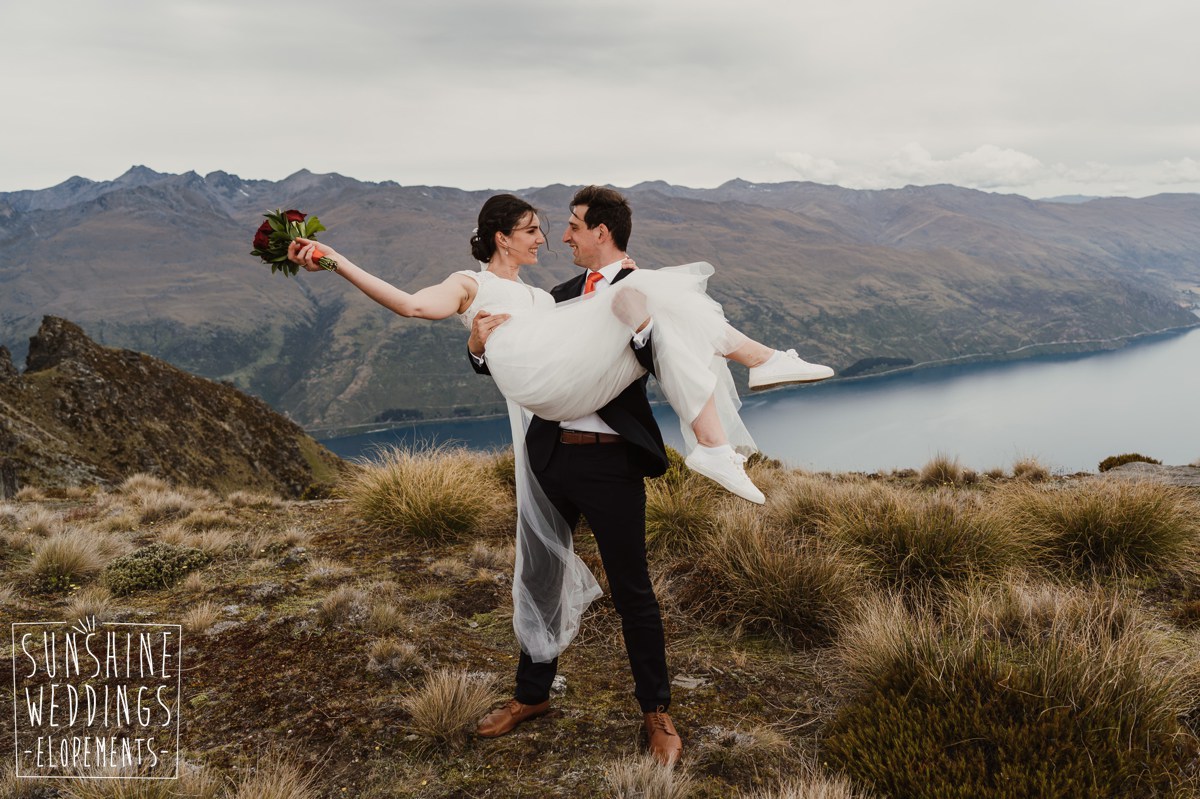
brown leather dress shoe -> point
(665, 743)
(504, 718)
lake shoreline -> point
(1069, 349)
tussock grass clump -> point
(483, 556)
(129, 783)
(151, 567)
(813, 786)
(393, 656)
(385, 617)
(448, 706)
(142, 482)
(40, 522)
(1013, 693)
(922, 544)
(744, 755)
(749, 574)
(343, 605)
(643, 777)
(91, 600)
(275, 777)
(1113, 461)
(66, 560)
(680, 513)
(155, 506)
(201, 617)
(941, 470)
(433, 496)
(251, 499)
(323, 571)
(29, 494)
(1030, 470)
(200, 520)
(1109, 528)
(14, 787)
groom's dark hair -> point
(606, 207)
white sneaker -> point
(726, 467)
(786, 367)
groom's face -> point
(584, 243)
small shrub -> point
(1030, 470)
(151, 567)
(434, 496)
(643, 777)
(1109, 528)
(942, 470)
(65, 560)
(448, 706)
(1113, 461)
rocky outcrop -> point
(82, 413)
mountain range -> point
(861, 280)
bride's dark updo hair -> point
(500, 214)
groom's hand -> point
(481, 328)
(629, 305)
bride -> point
(565, 360)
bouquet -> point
(272, 238)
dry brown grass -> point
(432, 496)
(153, 506)
(485, 556)
(65, 560)
(748, 574)
(642, 777)
(447, 707)
(39, 521)
(941, 470)
(324, 571)
(141, 482)
(250, 499)
(751, 754)
(275, 777)
(343, 605)
(385, 617)
(124, 783)
(1108, 528)
(91, 600)
(201, 519)
(193, 583)
(393, 656)
(813, 786)
(30, 494)
(200, 617)
(1030, 470)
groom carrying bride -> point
(595, 468)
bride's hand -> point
(629, 263)
(307, 252)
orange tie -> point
(593, 278)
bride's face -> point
(525, 240)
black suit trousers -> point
(603, 483)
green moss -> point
(155, 566)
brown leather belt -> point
(582, 437)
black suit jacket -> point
(629, 413)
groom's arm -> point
(481, 328)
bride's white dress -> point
(563, 361)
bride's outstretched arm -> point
(451, 296)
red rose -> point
(262, 237)
(294, 216)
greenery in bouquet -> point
(272, 238)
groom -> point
(594, 468)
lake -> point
(1069, 412)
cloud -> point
(985, 167)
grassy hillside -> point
(937, 633)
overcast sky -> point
(1036, 97)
